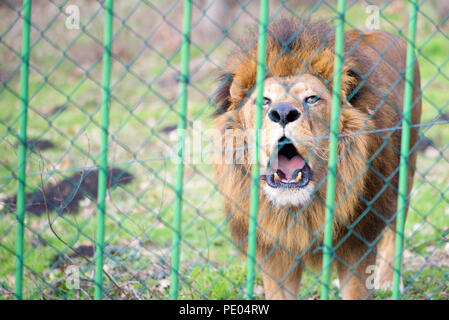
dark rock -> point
(424, 143)
(169, 128)
(64, 197)
(39, 144)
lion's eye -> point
(311, 99)
(266, 101)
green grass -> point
(138, 233)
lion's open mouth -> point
(287, 168)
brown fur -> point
(289, 238)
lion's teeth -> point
(276, 177)
(298, 177)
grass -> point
(64, 108)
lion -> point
(294, 152)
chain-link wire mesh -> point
(63, 149)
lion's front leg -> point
(354, 276)
(385, 257)
(281, 279)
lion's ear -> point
(236, 91)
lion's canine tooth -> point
(276, 177)
(298, 177)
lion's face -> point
(293, 151)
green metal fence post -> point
(333, 143)
(103, 168)
(405, 146)
(20, 208)
(255, 173)
(182, 120)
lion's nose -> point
(284, 113)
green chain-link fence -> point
(94, 202)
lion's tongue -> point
(289, 166)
